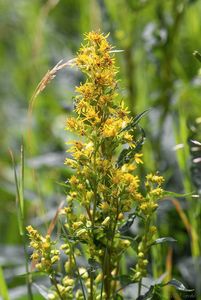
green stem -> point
(103, 268)
(91, 286)
(73, 255)
(28, 276)
(93, 216)
(139, 287)
(80, 279)
(106, 274)
(107, 256)
(55, 284)
(95, 186)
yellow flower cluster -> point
(94, 103)
(44, 253)
(140, 270)
(105, 190)
(147, 207)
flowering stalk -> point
(103, 187)
(106, 191)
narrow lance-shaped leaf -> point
(164, 240)
(179, 286)
(128, 223)
(3, 286)
(197, 55)
(136, 120)
(22, 182)
(127, 154)
(116, 51)
(175, 195)
(18, 201)
(147, 295)
(196, 142)
(43, 291)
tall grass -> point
(19, 183)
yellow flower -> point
(128, 168)
(75, 125)
(86, 90)
(111, 127)
(138, 159)
(73, 180)
(96, 37)
(71, 163)
(104, 206)
(117, 176)
(76, 225)
(106, 221)
(128, 137)
(67, 281)
(155, 178)
(156, 192)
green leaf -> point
(123, 157)
(153, 293)
(146, 295)
(33, 274)
(179, 286)
(136, 120)
(125, 227)
(3, 286)
(197, 55)
(164, 240)
(124, 279)
(127, 154)
(196, 142)
(175, 195)
(18, 196)
(118, 297)
(21, 187)
(116, 51)
(43, 291)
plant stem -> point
(139, 287)
(80, 279)
(28, 277)
(93, 218)
(19, 183)
(91, 286)
(94, 187)
(73, 255)
(146, 230)
(55, 284)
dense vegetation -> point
(157, 71)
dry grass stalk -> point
(47, 78)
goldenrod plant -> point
(105, 194)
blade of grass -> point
(18, 196)
(182, 215)
(3, 286)
(54, 220)
(21, 190)
(168, 264)
(19, 183)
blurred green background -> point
(157, 70)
